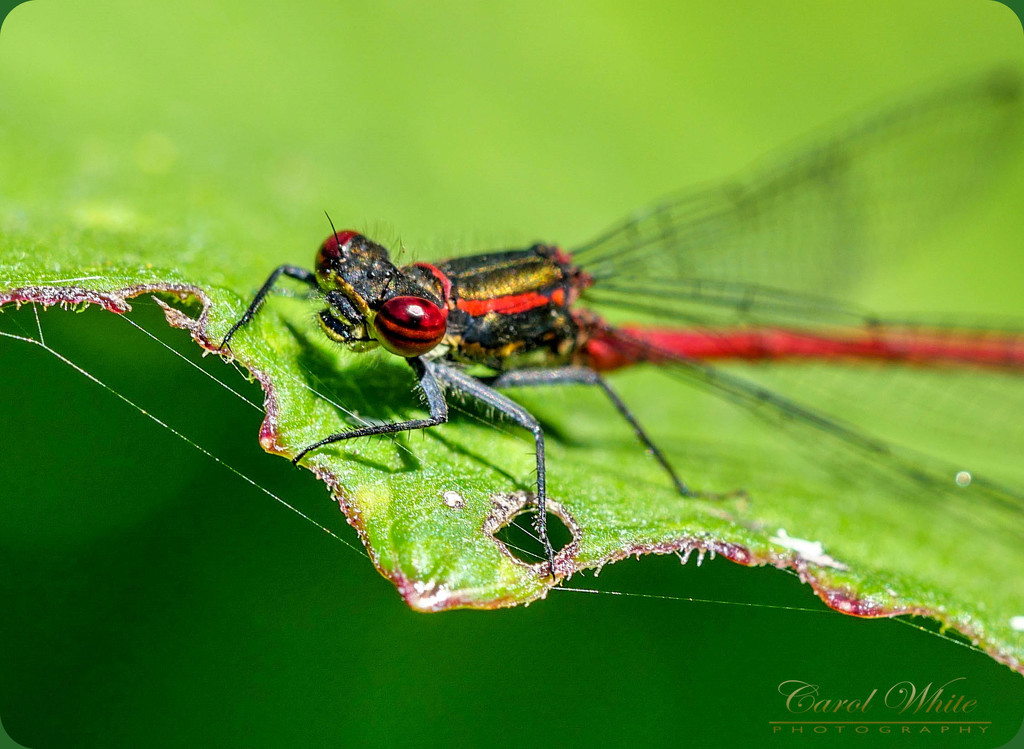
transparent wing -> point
(786, 246)
(792, 239)
(848, 430)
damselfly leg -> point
(438, 406)
(293, 271)
(433, 377)
(587, 376)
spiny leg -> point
(429, 374)
(426, 372)
(464, 383)
(300, 274)
(587, 376)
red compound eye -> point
(409, 326)
(335, 243)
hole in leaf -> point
(523, 542)
(187, 304)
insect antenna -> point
(338, 241)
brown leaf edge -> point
(841, 599)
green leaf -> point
(199, 204)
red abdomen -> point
(613, 348)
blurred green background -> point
(153, 598)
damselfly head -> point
(375, 302)
(357, 267)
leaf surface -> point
(87, 219)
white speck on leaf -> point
(454, 500)
(430, 595)
(812, 551)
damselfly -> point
(760, 268)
